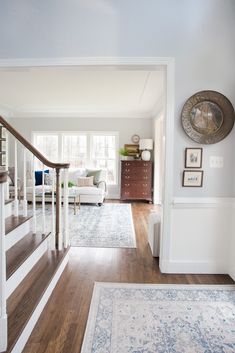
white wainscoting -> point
(200, 235)
(231, 271)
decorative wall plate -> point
(207, 117)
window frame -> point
(89, 135)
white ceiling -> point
(72, 92)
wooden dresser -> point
(136, 180)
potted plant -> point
(123, 153)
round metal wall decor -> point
(207, 117)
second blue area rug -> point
(134, 318)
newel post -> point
(58, 211)
(3, 314)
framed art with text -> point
(192, 178)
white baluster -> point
(3, 314)
(7, 165)
(66, 238)
(34, 198)
(16, 201)
(25, 203)
(53, 211)
(43, 201)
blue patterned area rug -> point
(108, 226)
(135, 318)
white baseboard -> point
(232, 273)
(25, 268)
(193, 267)
(19, 346)
(3, 334)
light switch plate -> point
(216, 162)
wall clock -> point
(135, 138)
(207, 117)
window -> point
(81, 150)
(48, 145)
(75, 150)
(103, 155)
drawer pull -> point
(127, 184)
(126, 192)
(145, 184)
(145, 177)
(144, 193)
(127, 177)
(127, 170)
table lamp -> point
(146, 145)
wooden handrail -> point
(3, 177)
(31, 148)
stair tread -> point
(13, 222)
(23, 301)
(19, 253)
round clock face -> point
(135, 138)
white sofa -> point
(87, 194)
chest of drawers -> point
(136, 180)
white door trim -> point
(120, 63)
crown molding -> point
(118, 62)
(68, 113)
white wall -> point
(125, 127)
(199, 34)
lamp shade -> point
(146, 144)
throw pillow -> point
(95, 173)
(86, 181)
(48, 179)
(38, 176)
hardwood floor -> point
(62, 323)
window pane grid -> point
(81, 150)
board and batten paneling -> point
(200, 235)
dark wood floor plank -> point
(61, 326)
(24, 299)
(19, 253)
(13, 222)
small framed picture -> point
(192, 178)
(193, 157)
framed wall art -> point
(193, 157)
(192, 178)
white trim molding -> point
(202, 202)
(206, 267)
(91, 62)
(128, 63)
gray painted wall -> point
(198, 33)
